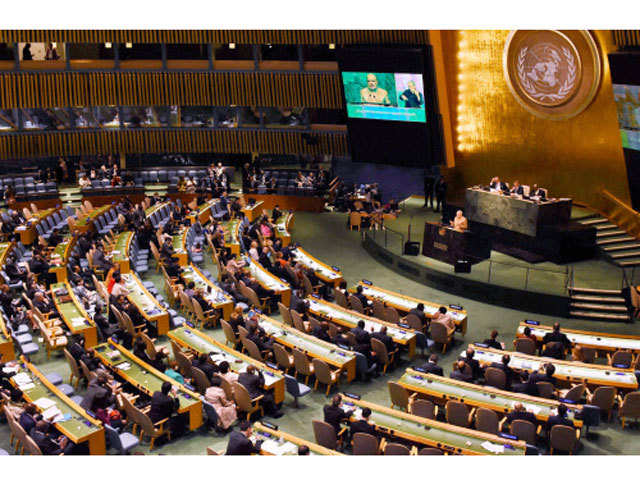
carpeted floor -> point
(326, 237)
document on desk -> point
(44, 403)
(51, 414)
(22, 379)
(492, 447)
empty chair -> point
(325, 434)
(487, 421)
(122, 442)
(356, 304)
(295, 389)
(439, 334)
(575, 393)
(604, 398)
(430, 451)
(399, 396)
(457, 413)
(285, 313)
(524, 430)
(382, 354)
(341, 298)
(364, 444)
(525, 345)
(230, 336)
(563, 438)
(378, 308)
(202, 382)
(302, 365)
(629, 407)
(391, 315)
(324, 375)
(396, 449)
(283, 359)
(494, 377)
(545, 389)
(424, 408)
(621, 358)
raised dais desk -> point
(448, 245)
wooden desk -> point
(343, 360)
(79, 427)
(7, 352)
(179, 244)
(283, 228)
(5, 249)
(197, 342)
(350, 318)
(146, 303)
(441, 389)
(149, 380)
(155, 208)
(218, 299)
(27, 231)
(85, 224)
(60, 257)
(252, 212)
(449, 438)
(268, 280)
(121, 251)
(277, 442)
(607, 342)
(232, 235)
(203, 212)
(567, 372)
(404, 304)
(323, 271)
(74, 315)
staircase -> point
(70, 196)
(597, 304)
(615, 244)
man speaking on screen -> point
(411, 96)
(372, 94)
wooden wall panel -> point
(267, 89)
(626, 38)
(342, 37)
(46, 144)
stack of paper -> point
(492, 447)
(52, 414)
(124, 366)
(77, 321)
(22, 379)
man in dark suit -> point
(334, 415)
(322, 332)
(363, 425)
(517, 189)
(253, 381)
(48, 444)
(99, 260)
(98, 395)
(538, 192)
(520, 413)
(239, 443)
(458, 372)
(432, 365)
(362, 336)
(419, 312)
(545, 374)
(297, 302)
(476, 369)
(492, 342)
(496, 184)
(163, 403)
(385, 339)
(275, 214)
(559, 419)
(557, 336)
(360, 296)
(429, 183)
(509, 373)
(202, 362)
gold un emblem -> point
(552, 74)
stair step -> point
(605, 226)
(589, 298)
(610, 233)
(599, 316)
(598, 306)
(609, 241)
(626, 246)
(635, 253)
(594, 221)
(629, 263)
(598, 291)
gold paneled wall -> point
(48, 90)
(150, 141)
(494, 135)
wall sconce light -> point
(332, 46)
(232, 46)
(128, 45)
(107, 45)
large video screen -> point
(385, 96)
(627, 99)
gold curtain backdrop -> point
(146, 141)
(268, 89)
(308, 37)
(494, 135)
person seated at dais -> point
(459, 222)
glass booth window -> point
(41, 51)
(227, 116)
(83, 117)
(232, 51)
(187, 51)
(140, 51)
(91, 51)
(108, 117)
(8, 120)
(279, 52)
(197, 116)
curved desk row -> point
(268, 280)
(444, 436)
(73, 314)
(147, 379)
(147, 304)
(232, 235)
(283, 228)
(7, 352)
(350, 318)
(86, 223)
(216, 297)
(324, 272)
(405, 303)
(197, 342)
(278, 443)
(568, 372)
